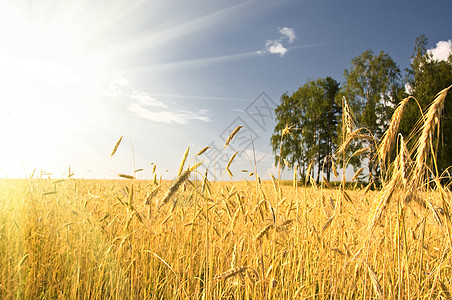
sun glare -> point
(45, 82)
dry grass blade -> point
(231, 273)
(357, 174)
(327, 224)
(435, 213)
(174, 187)
(152, 195)
(375, 282)
(116, 146)
(231, 136)
(313, 183)
(126, 176)
(327, 183)
(445, 290)
(308, 172)
(182, 163)
(390, 133)
(367, 188)
(274, 182)
(346, 196)
(431, 121)
(203, 150)
(163, 261)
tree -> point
(372, 88)
(313, 113)
(425, 78)
(289, 112)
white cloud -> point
(168, 117)
(442, 51)
(144, 106)
(289, 33)
(146, 99)
(277, 46)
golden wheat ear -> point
(231, 136)
(390, 134)
(432, 120)
(116, 146)
(174, 187)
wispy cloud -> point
(275, 47)
(169, 117)
(144, 106)
(289, 33)
(279, 46)
(145, 99)
(442, 51)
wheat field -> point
(195, 239)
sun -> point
(46, 80)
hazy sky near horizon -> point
(167, 75)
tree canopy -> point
(313, 113)
(373, 87)
(427, 76)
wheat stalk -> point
(231, 136)
(116, 146)
(432, 120)
(384, 197)
(203, 150)
(126, 176)
(182, 163)
(375, 282)
(333, 167)
(390, 133)
(308, 172)
(230, 162)
(349, 124)
(174, 187)
(231, 273)
(357, 174)
(263, 231)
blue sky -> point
(167, 75)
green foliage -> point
(372, 88)
(426, 77)
(313, 112)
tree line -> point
(373, 87)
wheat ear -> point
(390, 133)
(174, 187)
(431, 121)
(182, 163)
(116, 146)
(231, 136)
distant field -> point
(93, 239)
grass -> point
(194, 239)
